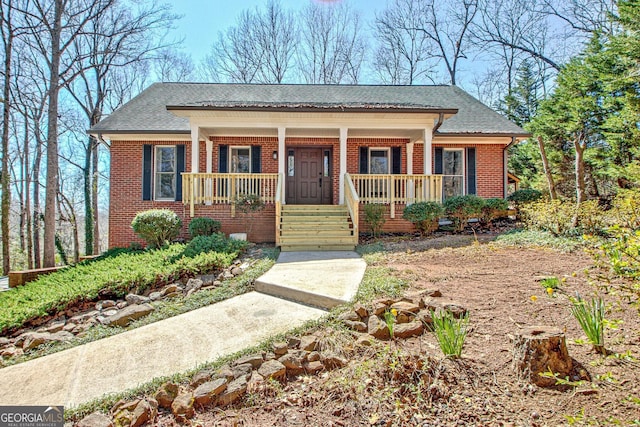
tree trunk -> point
(52, 140)
(94, 195)
(581, 194)
(547, 171)
(36, 202)
(4, 178)
(88, 212)
(541, 349)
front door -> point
(308, 176)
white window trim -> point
(464, 167)
(155, 172)
(388, 150)
(230, 160)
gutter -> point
(437, 125)
(102, 141)
(505, 180)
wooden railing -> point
(392, 189)
(353, 204)
(225, 188)
(278, 208)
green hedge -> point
(117, 276)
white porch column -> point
(343, 162)
(411, 195)
(209, 168)
(428, 170)
(195, 149)
(282, 159)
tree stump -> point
(539, 349)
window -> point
(240, 160)
(165, 173)
(379, 161)
(453, 171)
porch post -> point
(282, 158)
(411, 194)
(209, 181)
(343, 162)
(427, 152)
(195, 149)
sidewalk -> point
(174, 345)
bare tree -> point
(332, 47)
(172, 65)
(403, 49)
(259, 48)
(53, 26)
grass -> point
(450, 332)
(532, 238)
(590, 316)
(113, 276)
(163, 310)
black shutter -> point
(146, 172)
(438, 161)
(256, 161)
(396, 160)
(471, 170)
(223, 159)
(364, 159)
(180, 160)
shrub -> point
(553, 216)
(203, 227)
(525, 195)
(450, 332)
(460, 209)
(374, 216)
(590, 316)
(424, 215)
(591, 217)
(494, 209)
(626, 209)
(157, 226)
(248, 203)
(217, 242)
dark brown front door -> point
(308, 177)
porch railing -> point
(392, 189)
(353, 204)
(278, 208)
(225, 188)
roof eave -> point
(138, 131)
(485, 134)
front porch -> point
(207, 189)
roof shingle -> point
(148, 113)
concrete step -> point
(320, 279)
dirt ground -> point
(408, 382)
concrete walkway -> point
(174, 345)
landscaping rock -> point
(225, 372)
(308, 342)
(314, 367)
(313, 356)
(405, 306)
(236, 271)
(4, 341)
(272, 369)
(293, 363)
(403, 317)
(155, 296)
(134, 413)
(378, 328)
(406, 330)
(280, 348)
(205, 393)
(104, 304)
(233, 392)
(379, 309)
(200, 378)
(364, 340)
(54, 327)
(426, 317)
(95, 419)
(136, 299)
(11, 351)
(169, 289)
(293, 342)
(349, 316)
(193, 285)
(166, 394)
(35, 339)
(81, 318)
(255, 360)
(256, 382)
(332, 360)
(455, 308)
(121, 304)
(128, 314)
(361, 311)
(182, 406)
(243, 370)
(356, 326)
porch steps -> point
(315, 228)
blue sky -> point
(203, 19)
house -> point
(313, 153)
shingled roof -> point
(150, 111)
